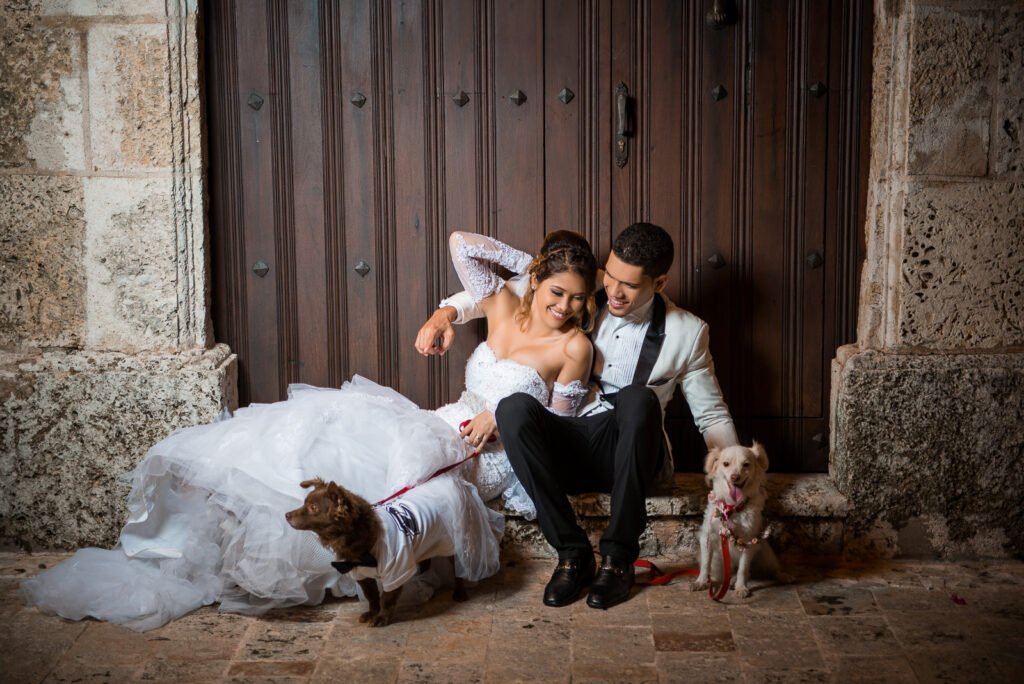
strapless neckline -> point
(513, 362)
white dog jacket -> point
(413, 529)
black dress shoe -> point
(571, 577)
(613, 584)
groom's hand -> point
(438, 327)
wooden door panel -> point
(360, 184)
(669, 116)
(518, 163)
(304, 183)
(260, 141)
(563, 174)
(463, 49)
(414, 230)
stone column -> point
(105, 337)
(928, 418)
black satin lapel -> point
(601, 299)
(652, 343)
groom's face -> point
(627, 287)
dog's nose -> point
(288, 515)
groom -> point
(644, 347)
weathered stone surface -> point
(951, 98)
(889, 93)
(86, 8)
(71, 423)
(1009, 147)
(40, 91)
(131, 264)
(963, 266)
(129, 97)
(42, 282)
(928, 452)
(194, 328)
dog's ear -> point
(315, 482)
(762, 456)
(710, 462)
(336, 495)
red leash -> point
(658, 576)
(726, 570)
(440, 471)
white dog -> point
(735, 505)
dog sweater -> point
(413, 529)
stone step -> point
(805, 512)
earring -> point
(534, 288)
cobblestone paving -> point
(840, 622)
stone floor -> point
(888, 622)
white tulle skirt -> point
(206, 509)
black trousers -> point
(618, 452)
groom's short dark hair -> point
(645, 245)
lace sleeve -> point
(473, 255)
(567, 399)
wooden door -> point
(347, 139)
(751, 142)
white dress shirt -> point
(617, 342)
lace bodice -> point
(492, 380)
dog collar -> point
(366, 560)
(724, 508)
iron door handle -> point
(622, 130)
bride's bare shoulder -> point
(578, 346)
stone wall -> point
(105, 342)
(929, 404)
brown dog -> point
(347, 524)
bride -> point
(206, 507)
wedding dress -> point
(206, 506)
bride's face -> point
(558, 299)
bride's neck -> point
(536, 327)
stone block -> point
(963, 266)
(41, 91)
(70, 424)
(42, 243)
(950, 90)
(115, 8)
(129, 96)
(927, 451)
(131, 264)
(1009, 148)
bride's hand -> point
(476, 432)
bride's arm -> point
(473, 256)
(571, 386)
(464, 309)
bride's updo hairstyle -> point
(564, 251)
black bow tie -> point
(366, 560)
